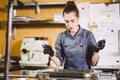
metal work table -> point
(59, 74)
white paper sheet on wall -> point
(111, 37)
(84, 14)
(102, 13)
(106, 17)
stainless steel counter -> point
(52, 74)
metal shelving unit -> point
(11, 26)
(36, 22)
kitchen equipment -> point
(32, 52)
(65, 73)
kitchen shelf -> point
(36, 22)
(36, 6)
(46, 4)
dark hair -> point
(71, 7)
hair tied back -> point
(71, 3)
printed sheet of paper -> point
(105, 20)
(84, 14)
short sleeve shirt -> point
(73, 51)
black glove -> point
(48, 50)
(100, 45)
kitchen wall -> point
(3, 19)
(46, 30)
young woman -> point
(74, 47)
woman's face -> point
(71, 20)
